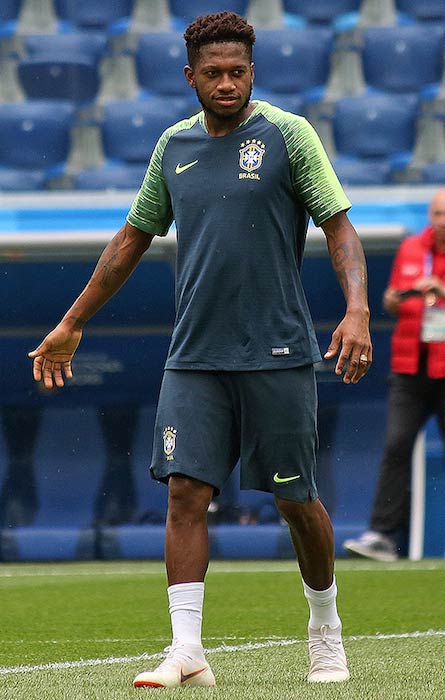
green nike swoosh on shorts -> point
(284, 479)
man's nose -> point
(226, 83)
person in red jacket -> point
(416, 296)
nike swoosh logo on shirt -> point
(284, 479)
(181, 168)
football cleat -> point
(179, 668)
(327, 655)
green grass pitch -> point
(81, 631)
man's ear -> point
(189, 76)
(252, 71)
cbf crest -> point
(251, 156)
(169, 436)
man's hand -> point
(430, 284)
(52, 358)
(352, 340)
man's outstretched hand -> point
(52, 358)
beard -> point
(227, 117)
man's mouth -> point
(226, 99)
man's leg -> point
(187, 541)
(191, 405)
(407, 412)
(187, 559)
(409, 404)
(313, 540)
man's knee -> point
(188, 496)
(291, 511)
(300, 515)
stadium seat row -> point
(120, 14)
(408, 59)
(374, 137)
(142, 542)
(105, 125)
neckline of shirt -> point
(202, 120)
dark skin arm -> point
(351, 339)
(52, 358)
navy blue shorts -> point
(207, 421)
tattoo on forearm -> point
(339, 255)
(349, 274)
(358, 275)
(108, 270)
(107, 266)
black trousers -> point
(412, 400)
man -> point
(416, 296)
(240, 180)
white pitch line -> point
(223, 648)
(220, 567)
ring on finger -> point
(364, 359)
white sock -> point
(185, 606)
(322, 606)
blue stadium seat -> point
(185, 11)
(48, 544)
(293, 60)
(374, 125)
(289, 102)
(61, 74)
(68, 479)
(132, 542)
(127, 176)
(40, 130)
(131, 128)
(321, 11)
(9, 12)
(92, 14)
(270, 541)
(356, 171)
(434, 173)
(16, 180)
(403, 58)
(92, 45)
(160, 61)
(423, 10)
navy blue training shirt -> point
(241, 204)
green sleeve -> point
(151, 210)
(313, 176)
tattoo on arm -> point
(108, 264)
(349, 265)
(108, 270)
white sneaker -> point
(373, 545)
(179, 668)
(327, 656)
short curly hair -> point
(217, 27)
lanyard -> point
(428, 264)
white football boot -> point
(327, 655)
(179, 668)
